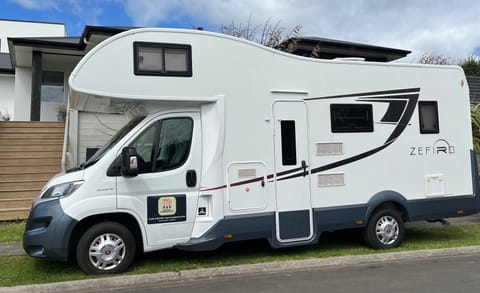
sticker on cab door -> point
(166, 209)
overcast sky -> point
(449, 28)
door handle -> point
(191, 178)
(304, 166)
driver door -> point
(164, 194)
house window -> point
(428, 114)
(52, 89)
(162, 59)
(289, 149)
(351, 118)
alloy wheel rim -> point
(387, 230)
(107, 251)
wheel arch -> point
(388, 199)
(126, 219)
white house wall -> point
(7, 94)
(13, 28)
(23, 90)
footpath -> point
(138, 281)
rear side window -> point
(428, 114)
(351, 117)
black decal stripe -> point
(270, 176)
(292, 176)
(389, 92)
(214, 188)
(246, 181)
(349, 160)
(339, 163)
(393, 114)
(289, 171)
(394, 111)
(407, 115)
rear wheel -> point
(385, 229)
(106, 248)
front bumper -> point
(48, 231)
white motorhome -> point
(239, 141)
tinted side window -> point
(351, 118)
(428, 113)
(289, 149)
(174, 143)
(164, 145)
(145, 149)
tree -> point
(433, 58)
(270, 34)
(475, 117)
(471, 65)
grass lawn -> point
(20, 270)
(11, 231)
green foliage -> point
(475, 117)
(11, 232)
(21, 270)
(471, 65)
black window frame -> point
(420, 117)
(187, 48)
(335, 128)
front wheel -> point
(106, 248)
(385, 229)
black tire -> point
(385, 229)
(106, 248)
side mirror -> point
(129, 162)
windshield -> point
(121, 133)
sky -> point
(450, 28)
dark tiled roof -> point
(73, 43)
(474, 86)
(60, 42)
(6, 64)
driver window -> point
(144, 145)
(170, 145)
(174, 143)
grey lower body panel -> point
(48, 231)
(244, 227)
(443, 207)
(294, 224)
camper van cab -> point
(233, 141)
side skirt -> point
(262, 225)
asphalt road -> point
(444, 274)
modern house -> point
(37, 70)
(15, 80)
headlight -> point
(62, 190)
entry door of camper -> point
(294, 219)
(165, 192)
